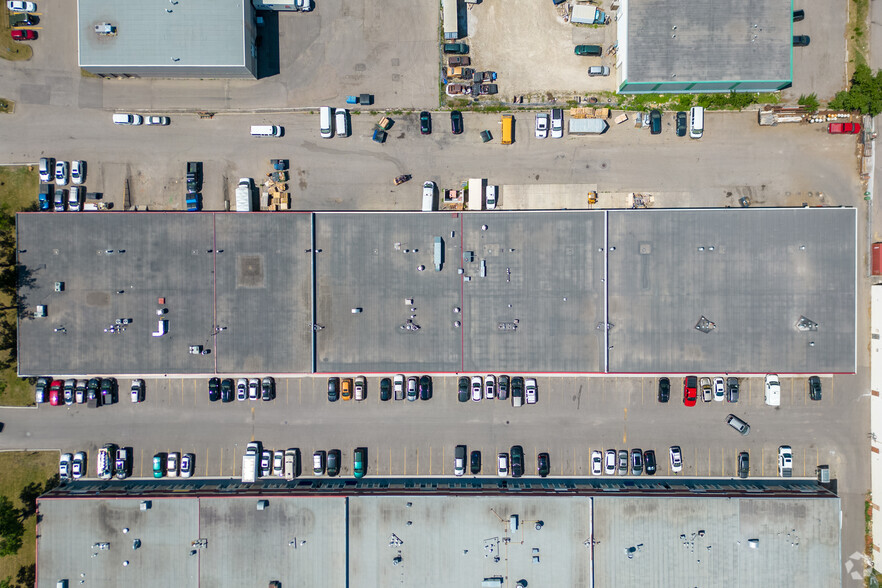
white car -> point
(303, 5)
(773, 390)
(157, 120)
(17, 6)
(719, 389)
(137, 390)
(171, 464)
(78, 467)
(557, 118)
(254, 389)
(187, 465)
(360, 385)
(318, 463)
(341, 121)
(80, 393)
(490, 387)
(676, 459)
(530, 391)
(490, 197)
(45, 168)
(61, 173)
(75, 198)
(476, 388)
(241, 389)
(541, 126)
(77, 172)
(279, 463)
(596, 463)
(502, 465)
(707, 391)
(64, 465)
(785, 461)
(398, 386)
(610, 465)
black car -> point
(517, 461)
(226, 390)
(681, 124)
(333, 389)
(463, 394)
(732, 389)
(814, 388)
(543, 464)
(798, 15)
(93, 395)
(334, 458)
(475, 462)
(425, 388)
(108, 391)
(649, 462)
(268, 389)
(801, 40)
(214, 389)
(664, 389)
(425, 123)
(743, 464)
(385, 389)
(655, 122)
(456, 122)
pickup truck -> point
(483, 76)
(460, 72)
(458, 61)
(458, 48)
(844, 128)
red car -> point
(23, 34)
(690, 390)
(844, 128)
(55, 392)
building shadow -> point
(267, 41)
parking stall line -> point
(141, 463)
(182, 391)
(205, 461)
(723, 458)
(625, 427)
(405, 460)
(708, 461)
(418, 461)
(575, 461)
(430, 460)
(762, 461)
(221, 461)
(803, 462)
(195, 392)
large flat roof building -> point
(619, 291)
(157, 38)
(669, 46)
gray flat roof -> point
(157, 32)
(455, 539)
(707, 40)
(707, 542)
(548, 282)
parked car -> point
(425, 123)
(541, 125)
(459, 454)
(346, 389)
(75, 198)
(78, 465)
(425, 388)
(738, 424)
(333, 467)
(623, 462)
(456, 124)
(55, 398)
(227, 390)
(458, 61)
(171, 464)
(649, 462)
(773, 390)
(266, 463)
(707, 392)
(636, 462)
(589, 50)
(241, 389)
(557, 118)
(599, 70)
(64, 466)
(731, 389)
(318, 463)
(137, 390)
(530, 391)
(360, 388)
(457, 48)
(463, 391)
(596, 463)
(411, 388)
(61, 173)
(801, 40)
(655, 122)
(690, 390)
(60, 200)
(517, 461)
(664, 389)
(267, 389)
(19, 6)
(69, 387)
(333, 389)
(490, 387)
(676, 459)
(187, 463)
(681, 124)
(610, 464)
(543, 465)
(785, 461)
(46, 167)
(77, 172)
(359, 462)
(743, 466)
(122, 466)
(158, 465)
(844, 128)
(475, 462)
(398, 386)
(253, 389)
(214, 385)
(502, 465)
(80, 391)
(798, 15)
(477, 384)
(23, 34)
(517, 391)
(41, 390)
(814, 384)
(385, 389)
(157, 120)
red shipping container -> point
(877, 259)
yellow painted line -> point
(405, 461)
(205, 459)
(723, 458)
(625, 427)
(182, 391)
(287, 390)
(430, 461)
(762, 461)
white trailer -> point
(244, 193)
(476, 194)
(249, 463)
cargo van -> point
(342, 122)
(326, 122)
(266, 131)
(696, 122)
(507, 129)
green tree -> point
(11, 527)
(864, 95)
(809, 102)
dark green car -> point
(359, 462)
(460, 48)
(593, 50)
(385, 389)
(463, 395)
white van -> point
(696, 122)
(127, 119)
(266, 131)
(342, 122)
(429, 196)
(326, 122)
(491, 197)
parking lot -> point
(418, 438)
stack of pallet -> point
(276, 184)
(589, 113)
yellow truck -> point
(507, 129)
